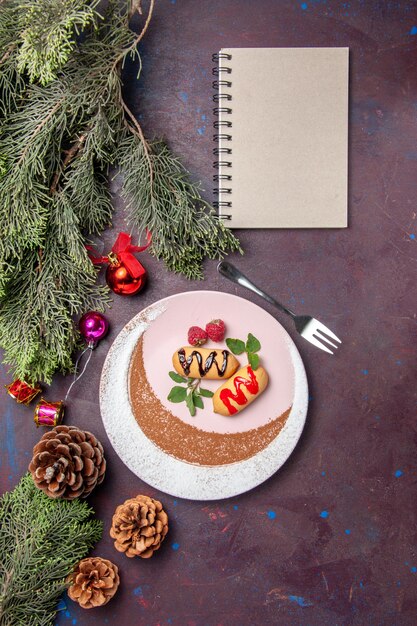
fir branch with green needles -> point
(41, 539)
(161, 198)
(63, 123)
(47, 37)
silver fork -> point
(311, 329)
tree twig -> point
(70, 155)
(40, 255)
(7, 53)
(139, 132)
(126, 51)
(135, 7)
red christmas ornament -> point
(121, 281)
(22, 392)
(125, 275)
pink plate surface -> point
(168, 333)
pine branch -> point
(38, 129)
(12, 84)
(41, 539)
(92, 207)
(47, 38)
(65, 122)
(160, 198)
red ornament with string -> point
(124, 275)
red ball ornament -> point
(121, 281)
(124, 275)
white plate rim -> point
(164, 472)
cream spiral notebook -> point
(282, 137)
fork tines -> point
(319, 335)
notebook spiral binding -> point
(222, 133)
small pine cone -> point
(67, 463)
(93, 582)
(139, 527)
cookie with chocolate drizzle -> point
(204, 363)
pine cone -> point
(93, 582)
(139, 527)
(67, 463)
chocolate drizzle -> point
(203, 369)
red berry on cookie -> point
(216, 330)
(196, 336)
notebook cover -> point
(289, 137)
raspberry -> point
(216, 330)
(196, 336)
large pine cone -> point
(139, 527)
(67, 463)
(93, 582)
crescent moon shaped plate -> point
(208, 456)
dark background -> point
(330, 539)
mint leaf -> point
(206, 393)
(197, 401)
(177, 378)
(253, 360)
(177, 394)
(236, 346)
(252, 344)
(189, 401)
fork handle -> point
(231, 272)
